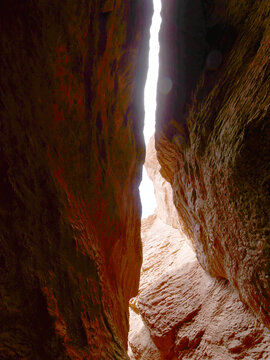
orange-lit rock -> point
(213, 145)
(141, 346)
(183, 313)
(71, 146)
(163, 192)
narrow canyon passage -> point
(181, 312)
(71, 157)
(150, 94)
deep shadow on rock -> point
(217, 157)
(71, 146)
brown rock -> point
(141, 346)
(185, 313)
(213, 146)
(72, 77)
(154, 264)
(163, 191)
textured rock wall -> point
(72, 77)
(183, 313)
(165, 210)
(213, 138)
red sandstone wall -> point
(72, 77)
(181, 312)
(213, 146)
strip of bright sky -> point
(146, 188)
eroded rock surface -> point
(71, 152)
(213, 141)
(141, 345)
(181, 312)
(163, 191)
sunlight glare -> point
(146, 188)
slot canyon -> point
(81, 275)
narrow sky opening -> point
(146, 188)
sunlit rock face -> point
(181, 312)
(215, 152)
(165, 210)
(72, 78)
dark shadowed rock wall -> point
(72, 77)
(213, 144)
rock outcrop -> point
(163, 191)
(71, 154)
(71, 146)
(181, 312)
(213, 135)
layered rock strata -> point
(72, 78)
(213, 143)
